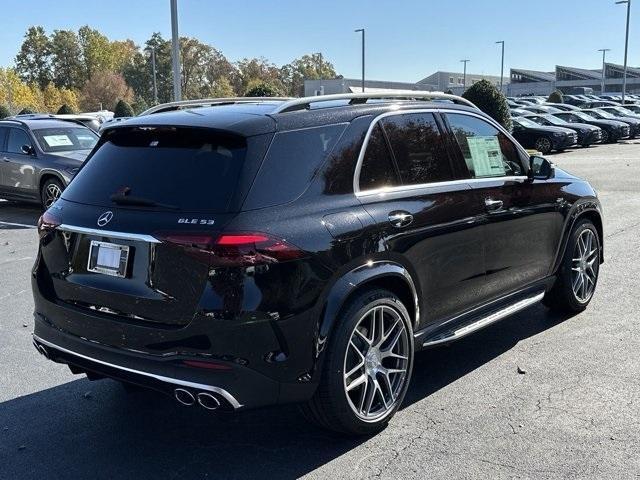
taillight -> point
(47, 223)
(233, 249)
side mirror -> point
(541, 168)
(27, 150)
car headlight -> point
(559, 134)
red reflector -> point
(209, 365)
(241, 239)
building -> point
(573, 80)
(454, 81)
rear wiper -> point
(121, 199)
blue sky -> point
(406, 40)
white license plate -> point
(108, 258)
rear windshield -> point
(180, 168)
(65, 139)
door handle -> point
(493, 205)
(400, 218)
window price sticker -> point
(486, 156)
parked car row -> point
(550, 127)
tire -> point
(358, 347)
(543, 145)
(571, 294)
(51, 190)
(606, 138)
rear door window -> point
(188, 169)
(17, 138)
(418, 148)
(377, 170)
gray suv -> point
(39, 155)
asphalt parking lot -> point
(469, 413)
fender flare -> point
(354, 279)
(579, 210)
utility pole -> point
(155, 85)
(604, 52)
(501, 66)
(175, 52)
(362, 31)
(626, 47)
(464, 75)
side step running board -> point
(465, 330)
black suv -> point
(39, 155)
(301, 251)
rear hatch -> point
(126, 239)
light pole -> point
(604, 52)
(362, 30)
(501, 66)
(155, 85)
(175, 52)
(464, 75)
(626, 47)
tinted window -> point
(17, 138)
(65, 139)
(418, 148)
(486, 150)
(192, 169)
(377, 170)
(293, 159)
(3, 134)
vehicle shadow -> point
(18, 214)
(94, 430)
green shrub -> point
(123, 109)
(555, 97)
(491, 101)
(65, 110)
(4, 112)
(262, 89)
(25, 111)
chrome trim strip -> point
(356, 175)
(108, 233)
(488, 320)
(174, 381)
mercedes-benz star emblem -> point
(105, 218)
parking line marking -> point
(17, 224)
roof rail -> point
(362, 97)
(208, 102)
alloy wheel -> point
(584, 266)
(51, 193)
(605, 136)
(543, 145)
(376, 363)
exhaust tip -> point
(43, 350)
(208, 401)
(185, 397)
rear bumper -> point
(236, 387)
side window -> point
(486, 150)
(377, 170)
(418, 148)
(3, 136)
(17, 138)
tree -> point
(33, 61)
(307, 67)
(555, 97)
(256, 70)
(139, 106)
(262, 89)
(66, 59)
(4, 112)
(65, 110)
(122, 109)
(491, 101)
(221, 88)
(96, 52)
(103, 90)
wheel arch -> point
(383, 274)
(590, 211)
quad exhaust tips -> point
(204, 399)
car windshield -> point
(554, 120)
(583, 116)
(602, 114)
(524, 122)
(624, 110)
(65, 139)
